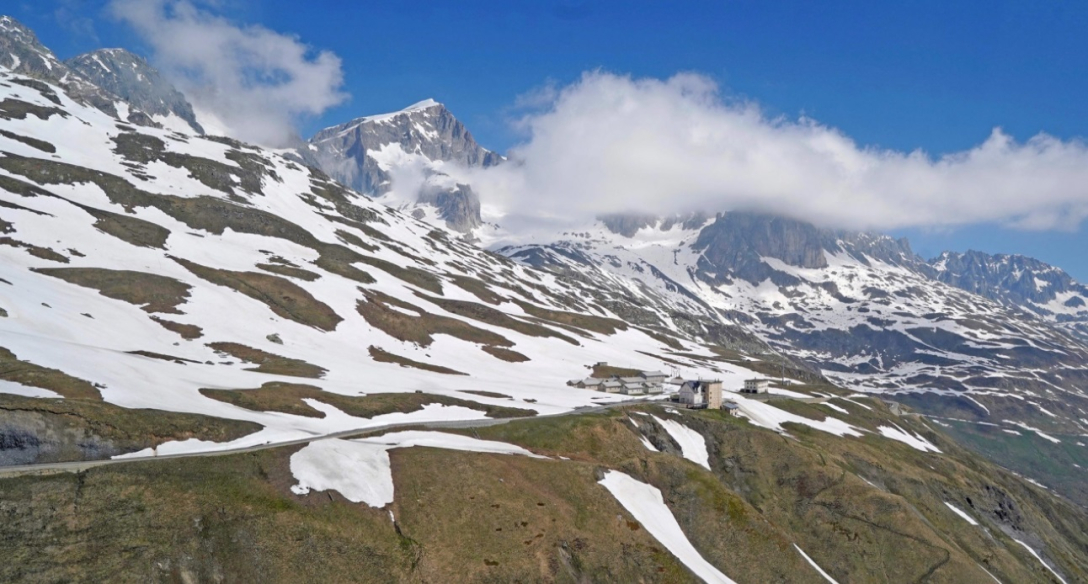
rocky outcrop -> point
(129, 77)
(736, 243)
(458, 205)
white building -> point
(756, 385)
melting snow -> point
(359, 469)
(645, 504)
(768, 416)
(910, 439)
(961, 513)
(13, 388)
(839, 409)
(692, 444)
(1046, 565)
(813, 564)
(1036, 430)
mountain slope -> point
(165, 296)
(179, 264)
(1019, 282)
(865, 311)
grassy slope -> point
(866, 510)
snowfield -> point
(963, 514)
(73, 328)
(910, 439)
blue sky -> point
(899, 75)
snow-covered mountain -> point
(1020, 282)
(416, 143)
(22, 53)
(861, 307)
(133, 254)
(140, 85)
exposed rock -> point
(21, 52)
(357, 155)
(130, 77)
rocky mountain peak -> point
(22, 53)
(132, 79)
(1016, 280)
(737, 242)
(362, 153)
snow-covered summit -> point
(426, 139)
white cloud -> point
(254, 81)
(611, 143)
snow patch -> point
(649, 446)
(13, 388)
(813, 564)
(692, 444)
(768, 416)
(910, 439)
(1046, 565)
(961, 513)
(645, 504)
(358, 471)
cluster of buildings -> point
(645, 383)
(693, 393)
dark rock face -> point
(130, 77)
(28, 437)
(349, 153)
(736, 242)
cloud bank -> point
(254, 81)
(611, 143)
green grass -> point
(26, 373)
(187, 331)
(506, 354)
(375, 308)
(1031, 455)
(81, 429)
(494, 317)
(597, 324)
(44, 253)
